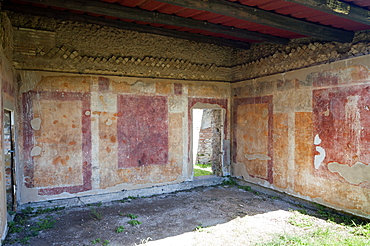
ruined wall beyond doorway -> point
(306, 133)
(209, 149)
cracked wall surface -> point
(320, 133)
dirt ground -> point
(220, 215)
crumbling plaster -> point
(271, 116)
(327, 168)
(55, 136)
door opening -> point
(9, 155)
(207, 142)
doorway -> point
(207, 142)
(9, 155)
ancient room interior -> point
(99, 97)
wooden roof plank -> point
(119, 11)
(338, 8)
(263, 17)
(123, 25)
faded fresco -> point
(57, 142)
(318, 143)
(87, 135)
(253, 136)
(142, 131)
(341, 134)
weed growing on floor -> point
(302, 211)
(134, 222)
(95, 214)
(301, 220)
(40, 210)
(246, 188)
(132, 197)
(132, 216)
(96, 241)
(31, 230)
(105, 243)
(27, 210)
(120, 229)
(319, 237)
(361, 230)
(229, 181)
(44, 224)
(199, 228)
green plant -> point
(229, 181)
(47, 210)
(318, 237)
(11, 212)
(301, 220)
(199, 228)
(14, 228)
(95, 241)
(131, 216)
(95, 214)
(105, 243)
(275, 197)
(27, 210)
(132, 197)
(25, 240)
(200, 172)
(247, 188)
(134, 222)
(207, 165)
(120, 229)
(302, 211)
(361, 230)
(44, 224)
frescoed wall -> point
(306, 133)
(90, 135)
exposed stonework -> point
(267, 59)
(6, 36)
(65, 46)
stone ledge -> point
(108, 197)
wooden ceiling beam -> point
(119, 11)
(338, 8)
(266, 18)
(122, 25)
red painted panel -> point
(28, 101)
(142, 131)
(342, 122)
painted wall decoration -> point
(142, 131)
(57, 141)
(342, 133)
(253, 128)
